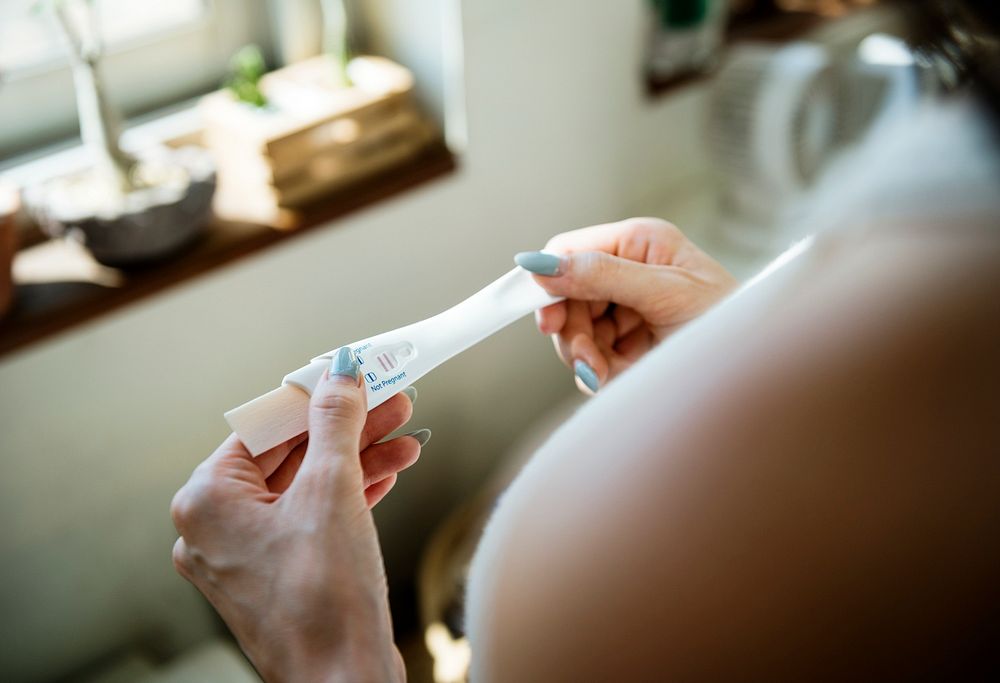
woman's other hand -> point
(284, 545)
(628, 285)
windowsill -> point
(43, 309)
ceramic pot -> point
(143, 226)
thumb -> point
(597, 276)
(337, 412)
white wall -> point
(415, 34)
(98, 427)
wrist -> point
(352, 659)
(363, 663)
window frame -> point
(198, 53)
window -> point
(156, 53)
(28, 39)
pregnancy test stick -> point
(390, 361)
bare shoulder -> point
(805, 491)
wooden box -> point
(9, 205)
(314, 137)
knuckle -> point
(181, 558)
(590, 263)
(652, 228)
(590, 273)
(337, 403)
(191, 501)
(181, 508)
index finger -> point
(385, 419)
(234, 461)
(271, 459)
(633, 239)
(381, 421)
(230, 467)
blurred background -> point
(199, 196)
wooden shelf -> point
(43, 309)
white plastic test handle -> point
(394, 360)
(430, 342)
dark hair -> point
(962, 38)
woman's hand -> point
(284, 545)
(628, 285)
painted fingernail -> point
(539, 262)
(411, 393)
(586, 375)
(421, 435)
(345, 364)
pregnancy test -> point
(390, 361)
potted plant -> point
(284, 139)
(125, 208)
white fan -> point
(778, 115)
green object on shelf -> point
(247, 69)
(681, 13)
(335, 36)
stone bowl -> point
(143, 226)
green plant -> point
(335, 35)
(248, 68)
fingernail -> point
(421, 435)
(539, 262)
(411, 393)
(345, 364)
(586, 375)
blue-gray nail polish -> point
(411, 393)
(539, 262)
(345, 363)
(586, 375)
(421, 435)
